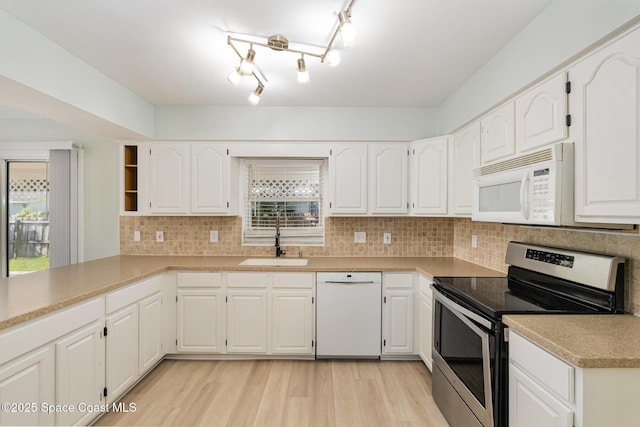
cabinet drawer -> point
(199, 280)
(133, 293)
(397, 280)
(247, 280)
(293, 280)
(555, 374)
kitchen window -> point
(288, 191)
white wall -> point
(561, 31)
(101, 201)
(293, 123)
(39, 76)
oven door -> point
(465, 354)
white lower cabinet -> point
(397, 314)
(134, 340)
(545, 390)
(247, 321)
(80, 374)
(122, 351)
(257, 313)
(293, 314)
(201, 321)
(150, 332)
(532, 405)
(425, 316)
(28, 379)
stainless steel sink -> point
(286, 262)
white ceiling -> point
(411, 53)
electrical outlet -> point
(159, 236)
(474, 241)
(386, 238)
(213, 236)
(136, 236)
(360, 237)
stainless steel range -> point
(470, 353)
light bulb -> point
(347, 30)
(333, 58)
(234, 77)
(348, 33)
(254, 98)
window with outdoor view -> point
(288, 191)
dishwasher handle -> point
(347, 282)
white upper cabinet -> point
(388, 174)
(497, 139)
(605, 102)
(348, 179)
(541, 114)
(428, 176)
(169, 178)
(462, 161)
(210, 178)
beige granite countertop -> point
(585, 341)
(31, 295)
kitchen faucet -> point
(277, 245)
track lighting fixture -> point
(280, 43)
(254, 98)
(303, 74)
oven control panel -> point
(550, 257)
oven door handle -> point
(456, 308)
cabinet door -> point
(169, 178)
(531, 405)
(348, 179)
(28, 379)
(210, 178)
(247, 321)
(150, 332)
(388, 178)
(497, 139)
(292, 326)
(80, 373)
(428, 176)
(605, 100)
(426, 322)
(122, 351)
(541, 114)
(201, 321)
(397, 322)
(464, 145)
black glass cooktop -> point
(490, 295)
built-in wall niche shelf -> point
(130, 178)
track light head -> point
(303, 74)
(246, 66)
(254, 98)
(235, 77)
(347, 30)
(332, 57)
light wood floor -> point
(282, 393)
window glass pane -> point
(288, 190)
(28, 215)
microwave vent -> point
(552, 153)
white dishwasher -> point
(348, 315)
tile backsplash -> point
(190, 236)
(410, 237)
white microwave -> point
(535, 188)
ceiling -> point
(410, 53)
